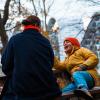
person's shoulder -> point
(14, 37)
(47, 42)
(83, 48)
(17, 35)
(46, 39)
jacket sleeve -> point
(59, 65)
(7, 58)
(91, 59)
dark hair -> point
(32, 20)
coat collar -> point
(31, 27)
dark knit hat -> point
(32, 20)
(73, 40)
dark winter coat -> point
(29, 58)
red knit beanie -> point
(74, 41)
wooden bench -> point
(71, 96)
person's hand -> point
(75, 69)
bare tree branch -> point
(36, 13)
(79, 32)
(45, 14)
(92, 1)
(19, 8)
(6, 12)
(50, 5)
(13, 27)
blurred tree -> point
(12, 9)
(3, 20)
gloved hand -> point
(79, 68)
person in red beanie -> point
(80, 63)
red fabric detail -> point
(74, 41)
(31, 27)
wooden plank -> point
(95, 92)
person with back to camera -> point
(80, 63)
(27, 62)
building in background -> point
(91, 38)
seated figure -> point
(81, 64)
